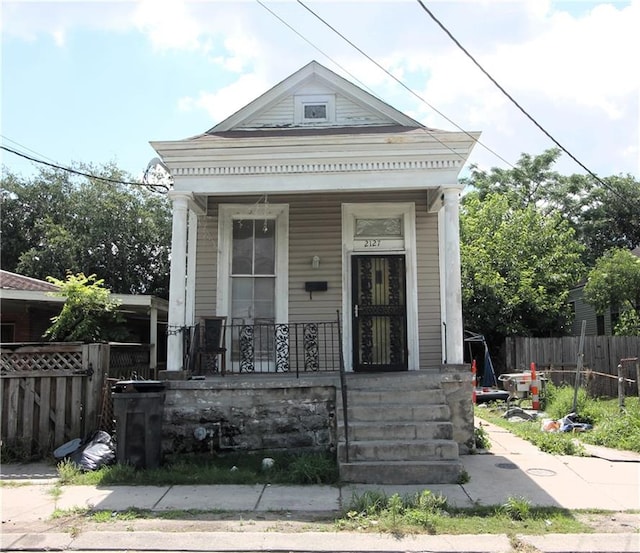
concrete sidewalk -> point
(513, 468)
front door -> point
(379, 313)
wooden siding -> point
(206, 266)
(429, 316)
(583, 311)
(315, 228)
(281, 114)
(351, 114)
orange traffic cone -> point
(533, 388)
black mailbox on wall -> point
(315, 286)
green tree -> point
(603, 214)
(614, 283)
(608, 216)
(89, 313)
(517, 268)
(55, 223)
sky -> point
(94, 82)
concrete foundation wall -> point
(250, 414)
(458, 389)
(280, 412)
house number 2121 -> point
(371, 243)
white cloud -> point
(28, 20)
(572, 65)
(167, 24)
(226, 101)
(59, 37)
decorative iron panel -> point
(379, 313)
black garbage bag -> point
(96, 451)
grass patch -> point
(426, 512)
(73, 512)
(232, 468)
(14, 484)
(611, 428)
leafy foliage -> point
(54, 223)
(517, 508)
(89, 313)
(615, 283)
(517, 268)
(603, 216)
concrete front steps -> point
(399, 430)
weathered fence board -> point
(50, 394)
(558, 356)
(44, 420)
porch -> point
(213, 347)
(403, 427)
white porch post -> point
(192, 238)
(177, 281)
(454, 332)
(153, 337)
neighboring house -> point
(597, 324)
(318, 202)
(27, 306)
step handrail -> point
(343, 389)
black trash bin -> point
(137, 408)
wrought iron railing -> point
(266, 347)
(130, 362)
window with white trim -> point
(315, 109)
(253, 262)
(253, 271)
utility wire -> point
(531, 118)
(73, 171)
(27, 148)
(351, 74)
(290, 27)
(402, 84)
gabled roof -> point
(314, 77)
(14, 281)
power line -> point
(403, 85)
(27, 148)
(351, 74)
(530, 117)
(290, 27)
(73, 171)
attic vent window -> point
(315, 109)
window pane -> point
(315, 111)
(242, 261)
(264, 299)
(242, 297)
(391, 227)
(265, 247)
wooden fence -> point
(53, 393)
(558, 357)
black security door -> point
(379, 313)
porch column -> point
(153, 337)
(192, 238)
(177, 281)
(454, 332)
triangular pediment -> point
(314, 98)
